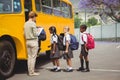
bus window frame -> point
(47, 7)
(12, 9)
(55, 9)
(69, 8)
(39, 6)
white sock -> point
(54, 66)
(58, 67)
(69, 67)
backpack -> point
(60, 42)
(42, 35)
(90, 41)
(74, 44)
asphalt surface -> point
(104, 65)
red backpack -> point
(90, 41)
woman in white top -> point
(68, 54)
(55, 53)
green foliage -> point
(92, 21)
(77, 22)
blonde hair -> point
(66, 27)
(32, 14)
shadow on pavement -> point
(21, 66)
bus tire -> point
(7, 59)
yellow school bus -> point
(14, 13)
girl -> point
(55, 53)
(68, 54)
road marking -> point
(108, 70)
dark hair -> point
(83, 27)
(53, 29)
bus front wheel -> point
(7, 59)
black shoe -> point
(86, 70)
(53, 69)
(68, 70)
(57, 70)
(80, 69)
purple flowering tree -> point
(109, 7)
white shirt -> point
(83, 37)
(54, 38)
(66, 38)
(39, 30)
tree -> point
(110, 8)
(92, 21)
(77, 21)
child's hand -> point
(66, 51)
(53, 52)
(49, 46)
(86, 48)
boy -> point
(84, 51)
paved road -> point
(104, 64)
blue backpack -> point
(74, 44)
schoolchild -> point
(55, 53)
(68, 54)
(84, 51)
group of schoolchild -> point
(67, 52)
(32, 47)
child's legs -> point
(69, 62)
(81, 61)
(57, 62)
(86, 61)
(54, 62)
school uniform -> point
(70, 53)
(83, 40)
(54, 38)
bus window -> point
(5, 6)
(1, 4)
(56, 7)
(17, 7)
(10, 6)
(65, 10)
(70, 11)
(28, 8)
(46, 6)
(38, 5)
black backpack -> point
(42, 35)
(60, 42)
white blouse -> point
(54, 38)
(66, 38)
(83, 37)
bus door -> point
(28, 8)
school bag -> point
(42, 35)
(60, 42)
(74, 44)
(90, 41)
